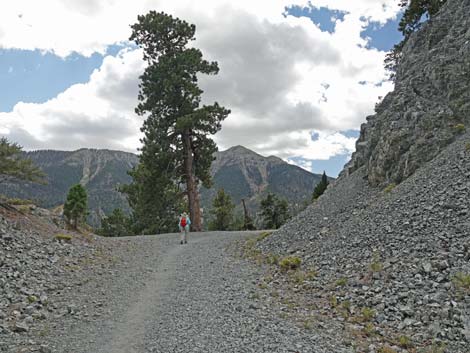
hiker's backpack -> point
(183, 222)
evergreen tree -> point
(320, 187)
(115, 225)
(12, 165)
(247, 220)
(222, 211)
(176, 148)
(154, 198)
(75, 208)
(411, 21)
(274, 211)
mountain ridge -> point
(101, 171)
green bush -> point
(386, 349)
(272, 259)
(460, 128)
(404, 342)
(467, 147)
(299, 277)
(19, 202)
(290, 263)
(341, 282)
(376, 265)
(462, 281)
(389, 188)
(263, 236)
(367, 314)
(63, 237)
(369, 329)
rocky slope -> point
(401, 254)
(244, 174)
(38, 265)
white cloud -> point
(282, 77)
(96, 114)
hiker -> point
(184, 223)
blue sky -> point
(381, 37)
(43, 66)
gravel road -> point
(161, 296)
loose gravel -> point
(155, 295)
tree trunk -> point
(191, 185)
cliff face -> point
(431, 98)
(402, 251)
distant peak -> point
(239, 148)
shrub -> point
(367, 314)
(404, 342)
(376, 265)
(263, 236)
(462, 281)
(341, 282)
(346, 305)
(369, 329)
(467, 147)
(389, 188)
(333, 301)
(63, 237)
(308, 325)
(32, 299)
(386, 349)
(311, 275)
(272, 259)
(460, 128)
(19, 202)
(290, 263)
(436, 347)
(299, 277)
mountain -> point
(241, 172)
(244, 174)
(100, 171)
(391, 236)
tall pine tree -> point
(177, 150)
(12, 165)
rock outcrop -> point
(430, 101)
(401, 253)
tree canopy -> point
(177, 149)
(13, 165)
(274, 211)
(222, 211)
(115, 225)
(415, 12)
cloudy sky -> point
(299, 76)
